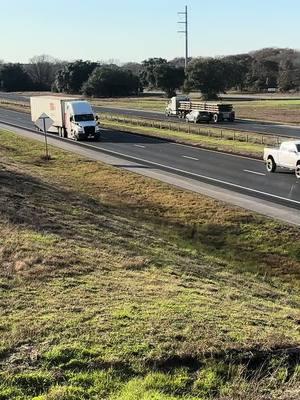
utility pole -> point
(185, 31)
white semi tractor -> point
(72, 118)
(217, 112)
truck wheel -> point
(271, 165)
(297, 171)
(216, 118)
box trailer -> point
(72, 118)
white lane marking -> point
(192, 174)
(139, 145)
(216, 151)
(191, 158)
(254, 172)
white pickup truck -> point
(286, 156)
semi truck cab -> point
(80, 121)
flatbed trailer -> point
(180, 106)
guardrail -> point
(224, 133)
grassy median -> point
(115, 286)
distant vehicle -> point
(286, 156)
(197, 116)
(181, 106)
(72, 118)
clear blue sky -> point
(132, 30)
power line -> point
(185, 31)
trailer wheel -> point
(297, 171)
(271, 165)
(216, 118)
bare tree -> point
(42, 70)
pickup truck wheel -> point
(297, 171)
(271, 165)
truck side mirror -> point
(96, 117)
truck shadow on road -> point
(110, 136)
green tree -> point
(168, 78)
(207, 75)
(73, 75)
(13, 77)
(147, 74)
(111, 81)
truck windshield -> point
(298, 147)
(84, 117)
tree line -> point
(270, 68)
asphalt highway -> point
(244, 125)
(238, 174)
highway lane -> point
(245, 125)
(239, 174)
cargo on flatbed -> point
(181, 105)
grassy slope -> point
(117, 286)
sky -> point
(133, 30)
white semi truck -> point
(286, 156)
(182, 105)
(72, 118)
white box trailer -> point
(72, 118)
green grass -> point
(115, 286)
